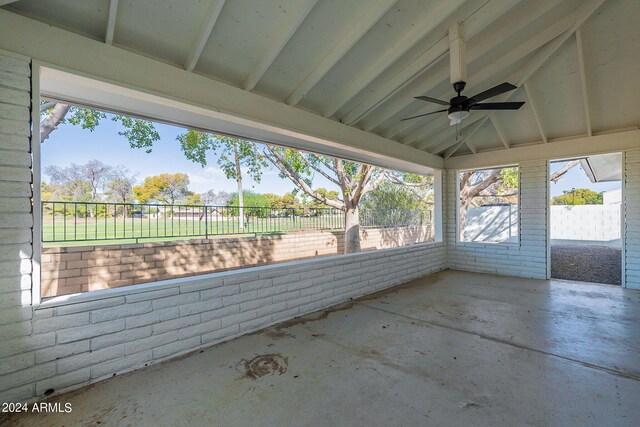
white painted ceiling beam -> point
(586, 9)
(471, 146)
(479, 78)
(440, 14)
(346, 42)
(534, 110)
(583, 82)
(498, 128)
(203, 35)
(473, 25)
(555, 149)
(111, 22)
(234, 107)
(276, 47)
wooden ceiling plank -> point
(352, 36)
(275, 48)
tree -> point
(120, 187)
(79, 182)
(164, 188)
(97, 173)
(212, 197)
(255, 204)
(139, 133)
(578, 196)
(233, 155)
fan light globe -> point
(458, 115)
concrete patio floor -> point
(453, 348)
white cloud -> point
(210, 178)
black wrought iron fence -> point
(87, 221)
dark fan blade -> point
(497, 106)
(494, 91)
(421, 115)
(429, 99)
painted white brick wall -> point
(17, 347)
(66, 346)
(632, 218)
(528, 258)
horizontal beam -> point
(237, 111)
(553, 150)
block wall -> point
(68, 270)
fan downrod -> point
(459, 86)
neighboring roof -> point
(361, 62)
(603, 168)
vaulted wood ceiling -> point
(576, 62)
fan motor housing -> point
(459, 103)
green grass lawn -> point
(89, 231)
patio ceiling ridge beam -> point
(482, 18)
(442, 12)
(203, 35)
(346, 42)
(275, 48)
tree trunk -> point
(240, 189)
(464, 208)
(50, 122)
(352, 230)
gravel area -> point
(596, 264)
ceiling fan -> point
(459, 107)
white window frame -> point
(457, 204)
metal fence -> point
(87, 221)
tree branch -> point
(323, 173)
(50, 123)
(555, 177)
(276, 159)
(44, 107)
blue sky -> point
(577, 178)
(72, 144)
